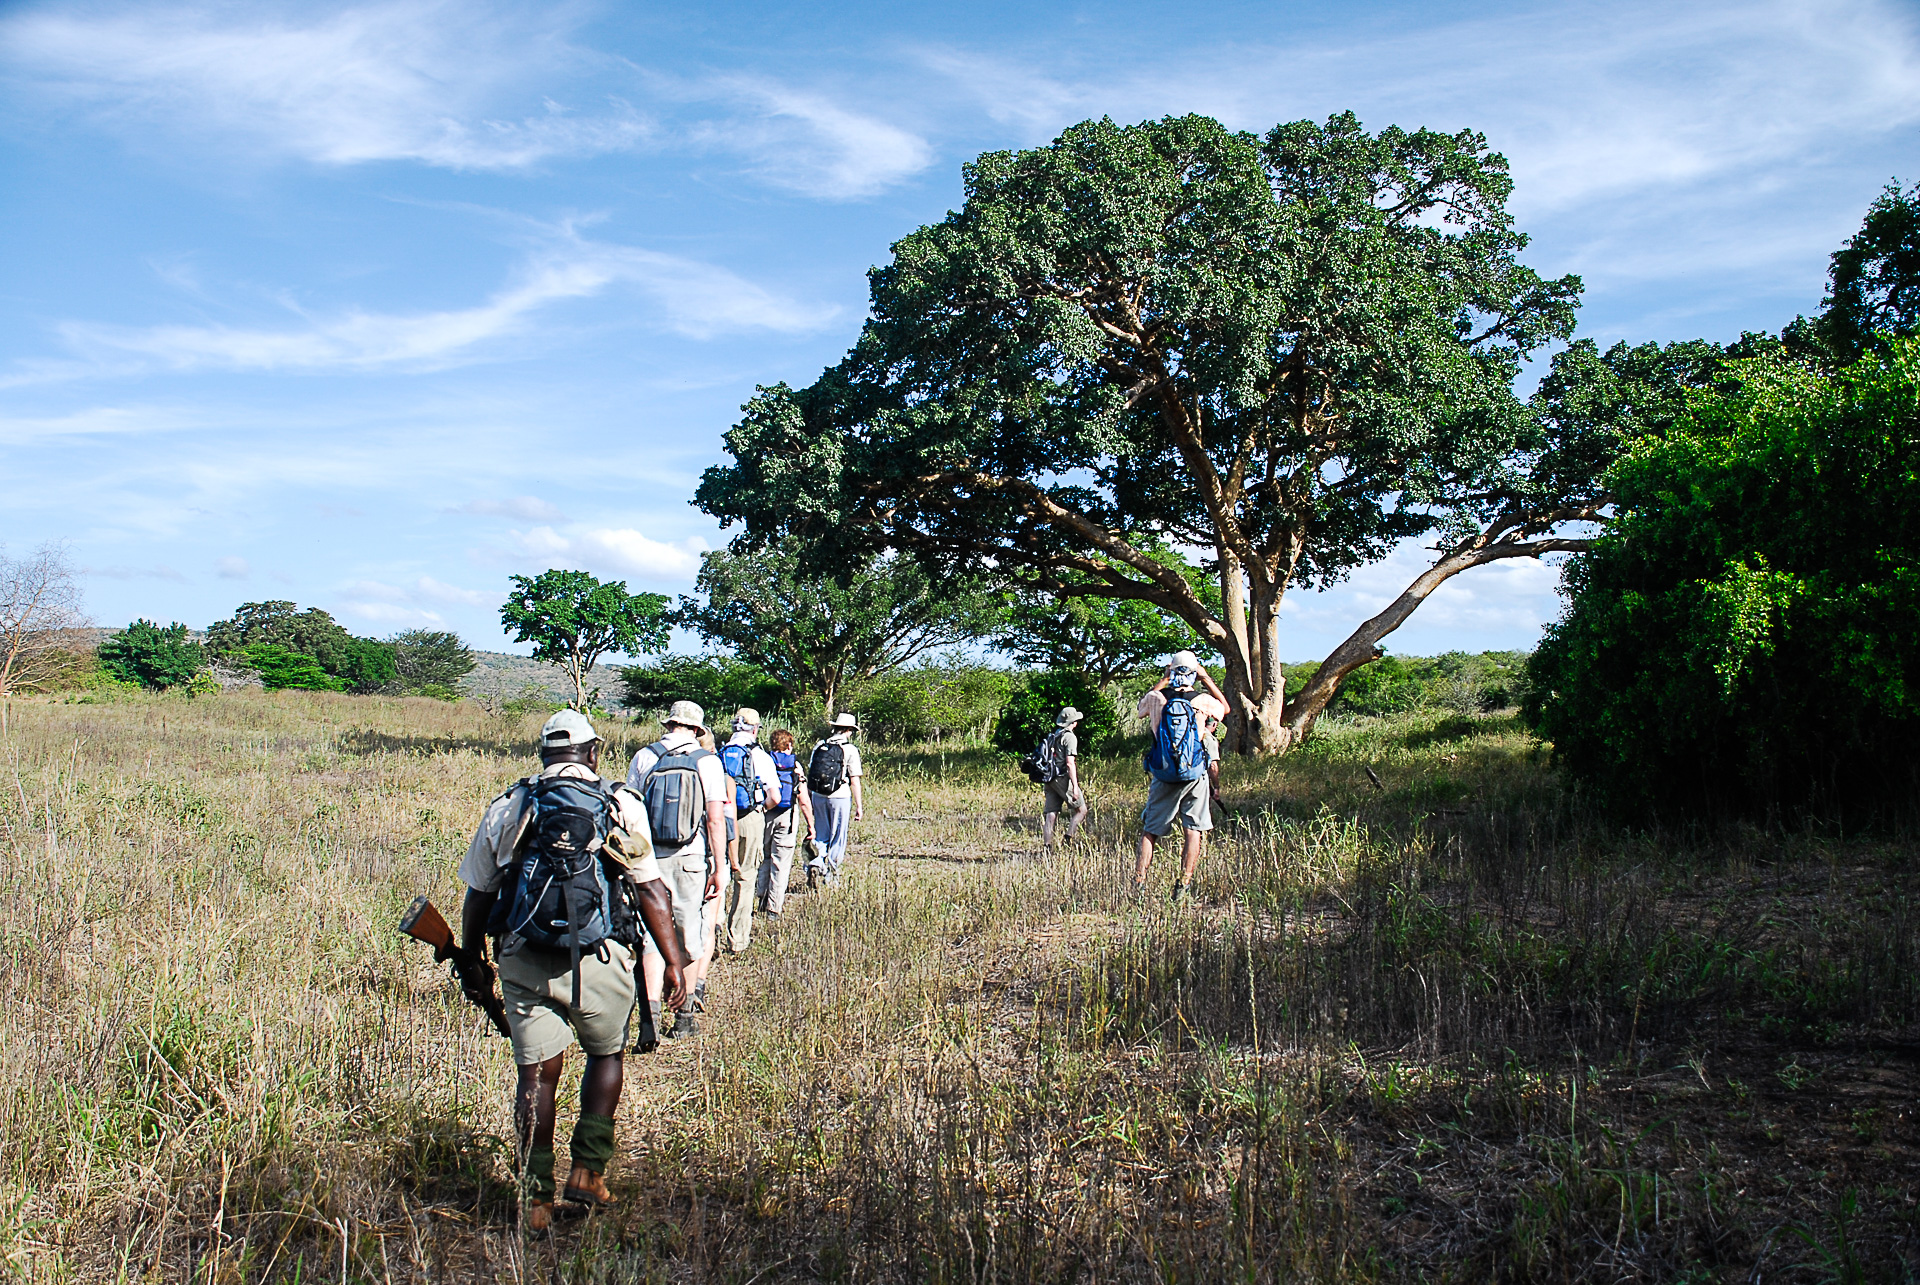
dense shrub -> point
(1459, 681)
(358, 664)
(1746, 637)
(153, 657)
(430, 662)
(281, 667)
(1029, 712)
(932, 701)
(718, 684)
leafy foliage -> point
(1457, 681)
(430, 661)
(153, 657)
(1105, 638)
(816, 632)
(931, 701)
(1294, 351)
(282, 667)
(1747, 636)
(358, 664)
(1873, 284)
(1029, 713)
(715, 683)
(573, 619)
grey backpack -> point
(676, 805)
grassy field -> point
(1443, 1027)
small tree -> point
(815, 633)
(41, 622)
(1029, 713)
(146, 654)
(714, 683)
(573, 619)
(281, 668)
(1105, 638)
(430, 659)
(361, 664)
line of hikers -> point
(575, 880)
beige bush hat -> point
(744, 717)
(568, 727)
(1068, 716)
(687, 714)
(1184, 660)
(846, 720)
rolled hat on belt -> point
(688, 714)
(1067, 717)
(568, 727)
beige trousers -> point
(740, 888)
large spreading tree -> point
(1292, 352)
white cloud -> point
(695, 299)
(159, 571)
(805, 142)
(408, 604)
(527, 508)
(416, 81)
(617, 550)
(232, 569)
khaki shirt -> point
(497, 842)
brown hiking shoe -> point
(539, 1214)
(585, 1187)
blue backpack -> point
(785, 766)
(1177, 753)
(738, 761)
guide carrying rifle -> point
(424, 923)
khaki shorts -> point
(1061, 797)
(686, 876)
(1185, 800)
(537, 985)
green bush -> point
(1463, 682)
(281, 667)
(1029, 712)
(933, 701)
(1745, 638)
(718, 684)
(153, 657)
(430, 661)
(360, 664)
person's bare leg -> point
(1195, 842)
(1046, 829)
(1146, 859)
(653, 971)
(593, 1137)
(533, 1126)
(1078, 819)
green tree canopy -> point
(1873, 281)
(1029, 713)
(715, 683)
(360, 664)
(146, 654)
(1295, 352)
(1104, 638)
(430, 660)
(1746, 636)
(281, 667)
(573, 619)
(815, 631)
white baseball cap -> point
(1184, 660)
(568, 727)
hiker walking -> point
(833, 779)
(686, 795)
(562, 875)
(1058, 759)
(756, 791)
(1178, 786)
(786, 822)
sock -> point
(538, 1183)
(592, 1145)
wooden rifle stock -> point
(424, 923)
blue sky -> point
(370, 307)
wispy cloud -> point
(687, 297)
(417, 81)
(159, 571)
(232, 568)
(412, 603)
(807, 142)
(619, 551)
(527, 508)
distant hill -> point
(499, 675)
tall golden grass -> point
(1446, 1027)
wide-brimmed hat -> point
(845, 720)
(1067, 717)
(687, 714)
(567, 728)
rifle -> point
(423, 923)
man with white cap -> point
(685, 790)
(1178, 786)
(566, 962)
(833, 781)
(756, 789)
(1061, 756)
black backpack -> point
(827, 767)
(1046, 763)
(561, 894)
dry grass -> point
(1448, 1028)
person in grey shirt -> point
(1063, 792)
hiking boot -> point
(539, 1216)
(813, 879)
(685, 1027)
(699, 1004)
(585, 1187)
(1181, 892)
